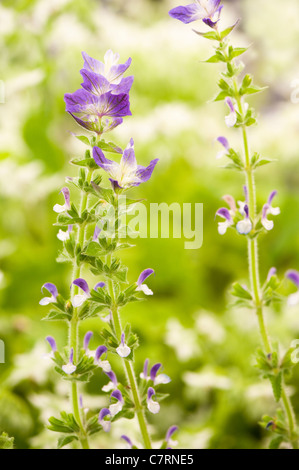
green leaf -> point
(227, 31)
(275, 443)
(241, 292)
(276, 381)
(63, 441)
(6, 442)
(210, 35)
(236, 52)
(214, 59)
(109, 147)
(263, 162)
(83, 138)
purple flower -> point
(69, 368)
(158, 379)
(104, 420)
(293, 276)
(99, 85)
(243, 204)
(67, 205)
(117, 404)
(245, 226)
(144, 373)
(52, 344)
(86, 340)
(96, 233)
(169, 435)
(126, 173)
(231, 118)
(128, 441)
(224, 142)
(53, 291)
(112, 385)
(205, 10)
(268, 209)
(143, 276)
(110, 69)
(225, 214)
(152, 405)
(79, 299)
(89, 109)
(123, 349)
(272, 272)
(105, 365)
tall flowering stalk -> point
(235, 87)
(92, 234)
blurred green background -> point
(216, 396)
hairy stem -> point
(254, 268)
(74, 324)
(130, 373)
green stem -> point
(74, 323)
(254, 267)
(130, 373)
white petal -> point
(58, 208)
(63, 236)
(231, 119)
(47, 300)
(106, 425)
(162, 379)
(244, 226)
(115, 408)
(222, 227)
(274, 210)
(145, 289)
(79, 300)
(153, 406)
(123, 350)
(107, 388)
(293, 299)
(241, 208)
(69, 368)
(105, 365)
(267, 224)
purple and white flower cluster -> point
(103, 100)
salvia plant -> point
(92, 235)
(250, 222)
